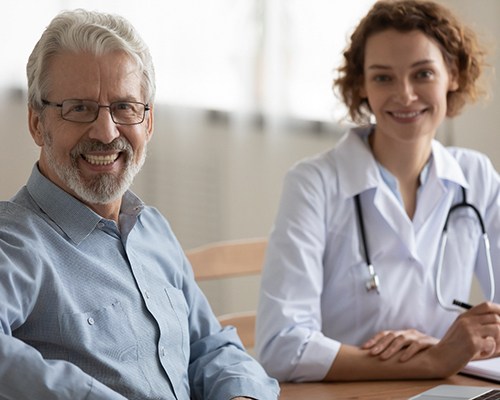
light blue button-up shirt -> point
(91, 310)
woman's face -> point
(406, 82)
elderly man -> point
(97, 300)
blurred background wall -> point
(243, 92)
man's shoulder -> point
(10, 208)
(17, 217)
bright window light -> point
(275, 57)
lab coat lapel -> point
(394, 214)
(432, 194)
(358, 173)
(356, 167)
(444, 168)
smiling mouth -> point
(407, 115)
(100, 159)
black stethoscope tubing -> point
(373, 282)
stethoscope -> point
(373, 282)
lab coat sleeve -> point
(485, 183)
(289, 341)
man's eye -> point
(123, 106)
(78, 108)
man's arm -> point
(48, 379)
(219, 366)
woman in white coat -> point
(352, 272)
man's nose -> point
(104, 128)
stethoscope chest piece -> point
(373, 283)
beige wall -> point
(478, 127)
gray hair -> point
(86, 31)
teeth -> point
(406, 115)
(100, 160)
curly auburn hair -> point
(459, 45)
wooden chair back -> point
(231, 259)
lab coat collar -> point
(446, 166)
(356, 167)
(358, 171)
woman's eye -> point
(382, 78)
(426, 74)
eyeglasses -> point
(122, 112)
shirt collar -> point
(71, 215)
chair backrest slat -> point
(228, 259)
(231, 259)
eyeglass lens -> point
(122, 112)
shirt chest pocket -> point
(103, 334)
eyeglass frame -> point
(99, 106)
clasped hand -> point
(403, 344)
(474, 335)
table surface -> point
(376, 390)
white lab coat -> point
(313, 295)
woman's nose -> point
(405, 93)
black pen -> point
(459, 303)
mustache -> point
(118, 144)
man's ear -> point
(150, 127)
(34, 125)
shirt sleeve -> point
(289, 341)
(219, 366)
(21, 363)
(48, 379)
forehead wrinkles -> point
(87, 76)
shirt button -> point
(146, 294)
(100, 225)
(90, 320)
(162, 351)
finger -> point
(374, 340)
(491, 331)
(413, 349)
(384, 343)
(394, 347)
(488, 347)
(485, 308)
